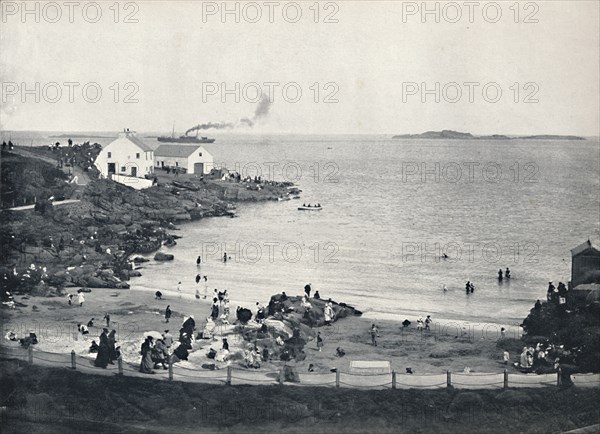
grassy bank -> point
(37, 399)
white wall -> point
(187, 163)
(123, 153)
(206, 158)
(136, 183)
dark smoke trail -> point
(215, 125)
(261, 111)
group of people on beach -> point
(542, 355)
(25, 342)
(557, 294)
(80, 298)
(107, 351)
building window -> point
(176, 163)
(137, 155)
(123, 169)
(109, 154)
(200, 154)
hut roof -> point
(584, 248)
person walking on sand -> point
(179, 289)
(70, 299)
(107, 318)
(167, 313)
(506, 357)
(507, 273)
(427, 322)
(319, 341)
(198, 260)
(80, 299)
(197, 293)
(374, 334)
(205, 286)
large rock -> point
(160, 256)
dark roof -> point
(182, 151)
(138, 142)
(583, 248)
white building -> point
(127, 160)
(193, 158)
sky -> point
(363, 67)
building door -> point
(133, 171)
(199, 168)
(111, 168)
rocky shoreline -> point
(90, 243)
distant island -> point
(449, 134)
(81, 136)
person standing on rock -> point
(80, 299)
(328, 313)
(167, 313)
(307, 290)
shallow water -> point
(488, 205)
(355, 249)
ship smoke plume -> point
(261, 112)
(215, 125)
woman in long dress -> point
(103, 355)
(147, 364)
(112, 340)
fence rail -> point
(231, 375)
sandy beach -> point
(446, 346)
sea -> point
(391, 210)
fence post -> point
(171, 368)
(337, 378)
(120, 365)
(30, 354)
(393, 379)
(558, 377)
(73, 362)
(282, 375)
(228, 381)
(448, 379)
(505, 378)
